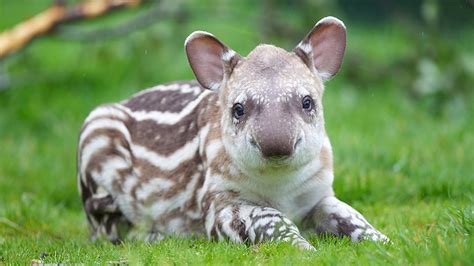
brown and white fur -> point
(242, 154)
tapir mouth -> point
(278, 161)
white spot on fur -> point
(226, 220)
(212, 149)
(324, 75)
(170, 162)
(104, 123)
(106, 110)
(175, 224)
(330, 19)
(168, 118)
(182, 88)
(162, 206)
(227, 55)
(91, 148)
(156, 184)
(241, 98)
(210, 218)
(196, 34)
(214, 86)
(109, 172)
(202, 137)
(128, 184)
(306, 47)
(355, 235)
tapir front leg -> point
(240, 223)
(336, 217)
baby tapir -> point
(241, 154)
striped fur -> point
(175, 159)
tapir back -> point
(142, 157)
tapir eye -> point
(308, 103)
(238, 110)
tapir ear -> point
(211, 61)
(323, 48)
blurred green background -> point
(399, 115)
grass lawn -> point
(410, 173)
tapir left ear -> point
(211, 60)
(323, 48)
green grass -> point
(410, 173)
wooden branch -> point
(17, 37)
(145, 19)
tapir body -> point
(240, 154)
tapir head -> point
(271, 100)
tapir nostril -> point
(298, 141)
(253, 142)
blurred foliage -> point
(444, 74)
(434, 71)
(408, 44)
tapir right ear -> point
(322, 49)
(211, 61)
